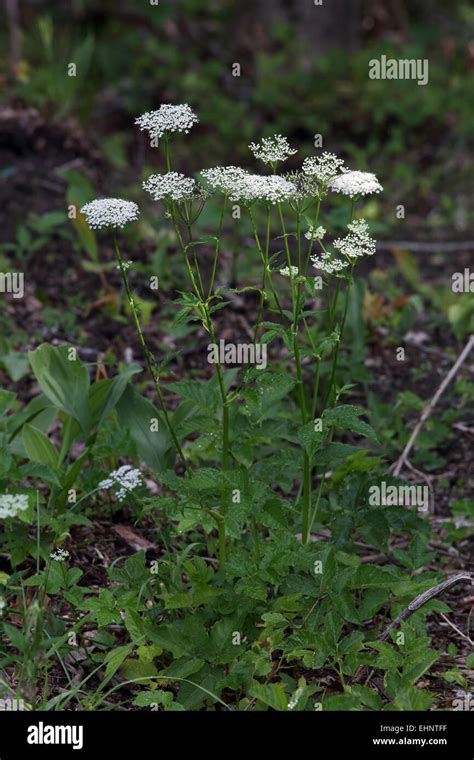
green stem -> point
(328, 291)
(149, 358)
(225, 409)
(225, 440)
(295, 298)
(183, 249)
(331, 387)
(167, 155)
(216, 252)
(256, 540)
(265, 262)
(316, 389)
(264, 278)
(331, 392)
(193, 249)
(287, 251)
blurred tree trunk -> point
(319, 28)
(13, 17)
(334, 24)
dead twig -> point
(422, 599)
(454, 627)
(414, 605)
(402, 460)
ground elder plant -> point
(259, 481)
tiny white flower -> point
(315, 234)
(3, 604)
(354, 183)
(225, 179)
(123, 480)
(326, 263)
(358, 242)
(323, 168)
(11, 504)
(172, 186)
(272, 150)
(285, 272)
(60, 555)
(167, 119)
(110, 212)
(257, 187)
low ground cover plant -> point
(265, 483)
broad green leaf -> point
(156, 698)
(134, 626)
(63, 380)
(116, 389)
(335, 454)
(416, 666)
(7, 399)
(39, 448)
(16, 364)
(372, 576)
(17, 638)
(114, 659)
(6, 461)
(346, 417)
(137, 414)
(272, 695)
(310, 438)
(78, 193)
(182, 668)
(205, 395)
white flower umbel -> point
(285, 272)
(11, 504)
(225, 179)
(110, 212)
(358, 242)
(326, 263)
(315, 233)
(323, 168)
(59, 555)
(307, 187)
(170, 186)
(272, 150)
(257, 187)
(123, 480)
(355, 183)
(167, 119)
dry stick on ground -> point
(458, 630)
(415, 605)
(421, 599)
(430, 406)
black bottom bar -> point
(123, 734)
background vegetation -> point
(67, 139)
